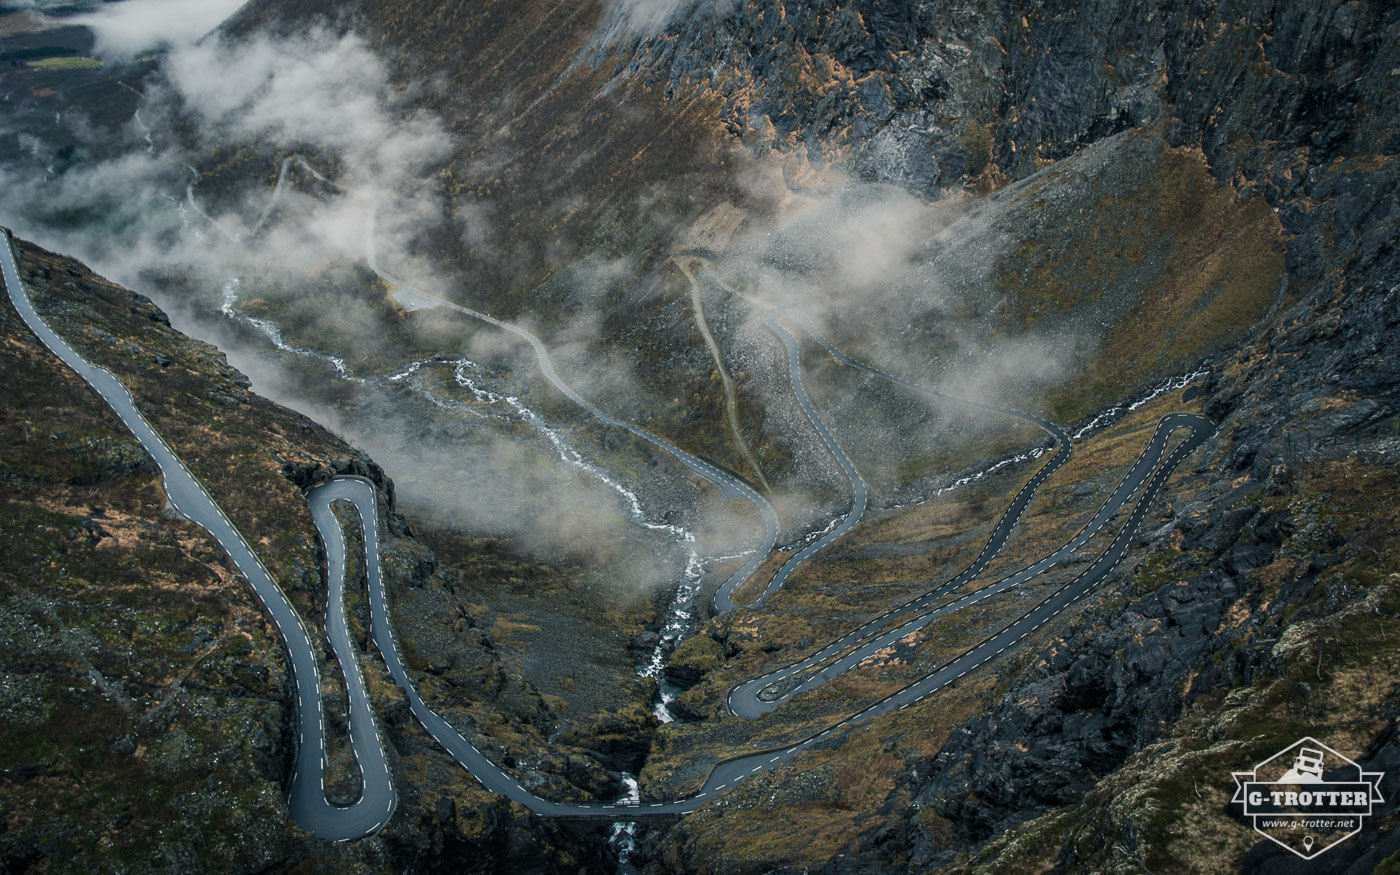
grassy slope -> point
(1211, 265)
(835, 799)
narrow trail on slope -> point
(731, 406)
(413, 299)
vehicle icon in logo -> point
(1307, 768)
(1307, 797)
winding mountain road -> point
(307, 801)
(727, 773)
(757, 696)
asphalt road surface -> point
(307, 800)
(377, 801)
(1154, 461)
(758, 695)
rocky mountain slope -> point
(705, 132)
(1217, 648)
(150, 721)
(1145, 188)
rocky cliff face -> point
(929, 96)
(1262, 567)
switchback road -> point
(376, 804)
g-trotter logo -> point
(1307, 797)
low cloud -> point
(321, 91)
(905, 284)
(865, 259)
(127, 29)
(142, 213)
(643, 17)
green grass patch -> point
(66, 63)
